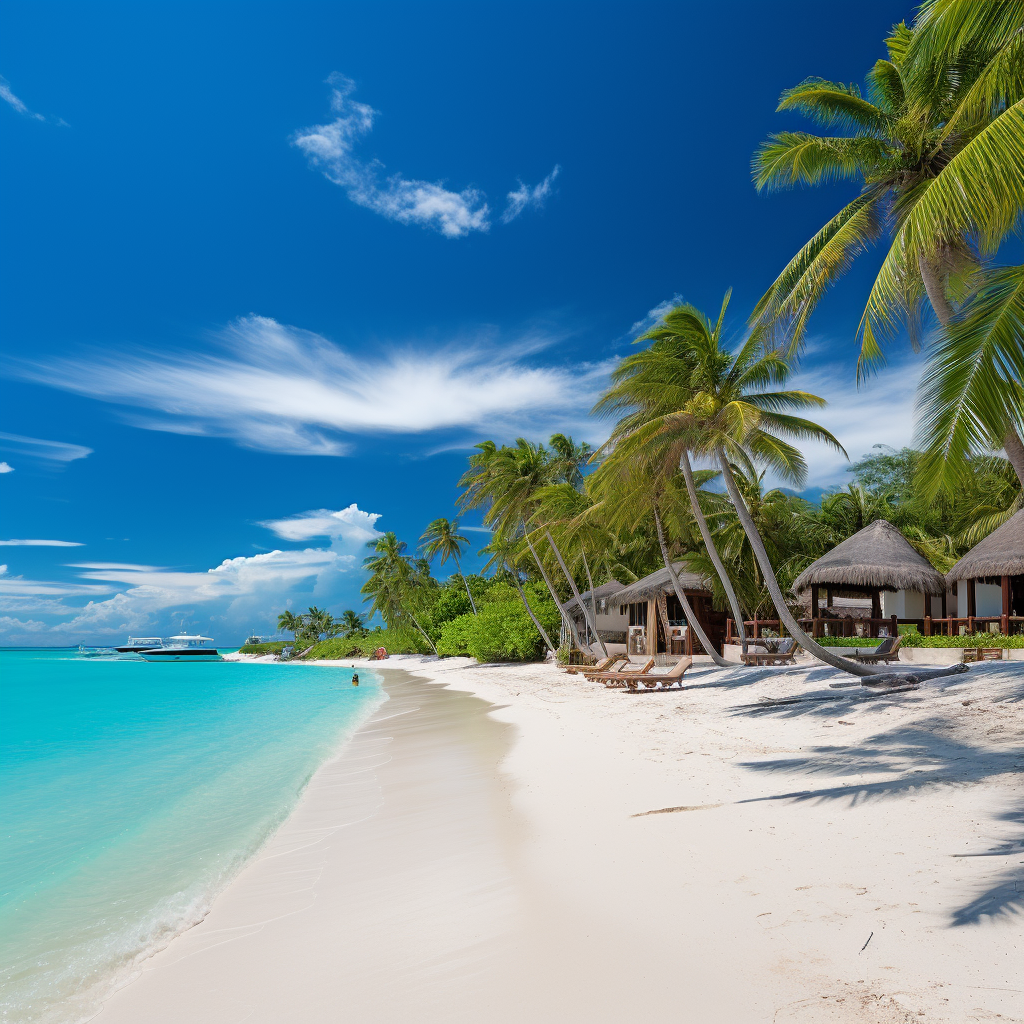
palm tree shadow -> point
(916, 758)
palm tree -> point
(291, 623)
(351, 623)
(320, 623)
(396, 583)
(442, 538)
(936, 146)
(651, 387)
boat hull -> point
(183, 655)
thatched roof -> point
(659, 583)
(1001, 553)
(603, 591)
(877, 556)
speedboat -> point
(184, 647)
(94, 652)
(140, 643)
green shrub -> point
(849, 641)
(394, 641)
(501, 631)
(275, 647)
(966, 640)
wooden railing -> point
(927, 626)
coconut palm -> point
(442, 538)
(291, 623)
(396, 583)
(936, 146)
(651, 387)
(351, 623)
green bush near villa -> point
(501, 631)
(849, 641)
(394, 641)
(274, 647)
(912, 638)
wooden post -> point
(728, 631)
(972, 603)
(652, 626)
(895, 627)
(757, 628)
(828, 599)
(663, 616)
(927, 625)
(1005, 624)
(814, 601)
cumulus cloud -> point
(330, 148)
(4, 468)
(282, 389)
(40, 544)
(34, 447)
(231, 597)
(523, 197)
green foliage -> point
(274, 647)
(396, 640)
(965, 640)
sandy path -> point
(494, 866)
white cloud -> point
(8, 97)
(52, 451)
(4, 468)
(652, 316)
(40, 544)
(330, 147)
(881, 411)
(18, 586)
(348, 524)
(524, 196)
(282, 389)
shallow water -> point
(131, 794)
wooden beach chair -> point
(626, 668)
(888, 650)
(653, 681)
(601, 666)
(785, 655)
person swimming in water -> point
(355, 678)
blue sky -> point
(267, 262)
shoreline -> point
(602, 857)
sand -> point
(512, 843)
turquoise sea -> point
(131, 794)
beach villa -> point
(609, 618)
(989, 579)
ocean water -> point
(131, 794)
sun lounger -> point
(625, 669)
(601, 666)
(653, 680)
(888, 650)
(785, 655)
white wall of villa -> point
(904, 604)
(988, 599)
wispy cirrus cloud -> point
(40, 544)
(283, 389)
(330, 147)
(7, 95)
(653, 315)
(526, 197)
(36, 448)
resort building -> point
(655, 620)
(609, 618)
(989, 580)
(876, 564)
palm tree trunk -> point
(575, 592)
(691, 618)
(1014, 452)
(768, 575)
(730, 593)
(935, 286)
(465, 583)
(593, 600)
(529, 611)
(425, 634)
(566, 617)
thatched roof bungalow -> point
(875, 561)
(990, 578)
(656, 621)
(610, 618)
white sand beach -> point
(513, 843)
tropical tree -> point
(652, 388)
(291, 623)
(502, 554)
(320, 623)
(397, 583)
(442, 538)
(936, 147)
(351, 623)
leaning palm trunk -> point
(709, 543)
(575, 591)
(566, 617)
(529, 611)
(768, 575)
(593, 600)
(465, 583)
(426, 636)
(691, 618)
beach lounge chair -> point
(888, 650)
(653, 681)
(601, 666)
(784, 655)
(626, 668)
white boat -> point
(140, 643)
(184, 647)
